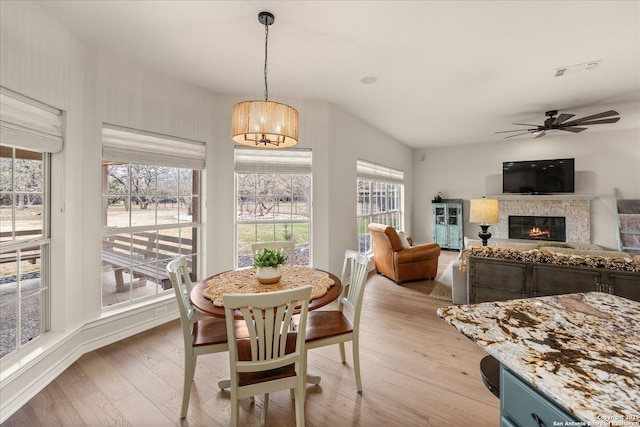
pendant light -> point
(264, 124)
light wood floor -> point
(416, 371)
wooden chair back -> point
(272, 357)
(354, 277)
(178, 272)
(205, 336)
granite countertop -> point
(580, 350)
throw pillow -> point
(403, 240)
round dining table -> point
(203, 304)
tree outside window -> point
(150, 216)
(24, 253)
(273, 207)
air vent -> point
(591, 65)
(587, 66)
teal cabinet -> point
(446, 222)
(521, 405)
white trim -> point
(25, 374)
(534, 197)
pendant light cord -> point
(266, 42)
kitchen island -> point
(578, 352)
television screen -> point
(538, 176)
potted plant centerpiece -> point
(268, 263)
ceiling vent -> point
(587, 66)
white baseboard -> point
(24, 375)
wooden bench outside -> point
(117, 255)
(31, 258)
(10, 256)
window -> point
(30, 132)
(379, 199)
(273, 200)
(151, 211)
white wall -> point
(42, 60)
(351, 139)
(604, 160)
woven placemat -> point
(245, 282)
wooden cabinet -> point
(446, 221)
(624, 284)
(492, 279)
(523, 405)
(560, 279)
(496, 280)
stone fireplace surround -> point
(575, 208)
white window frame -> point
(27, 124)
(385, 179)
(133, 147)
(292, 161)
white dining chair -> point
(208, 335)
(286, 246)
(342, 325)
(272, 357)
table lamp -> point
(484, 212)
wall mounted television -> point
(539, 176)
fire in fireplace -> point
(551, 228)
(538, 233)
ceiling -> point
(448, 72)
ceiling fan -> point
(560, 123)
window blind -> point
(256, 160)
(375, 172)
(28, 124)
(120, 144)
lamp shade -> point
(484, 211)
(264, 124)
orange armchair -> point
(401, 264)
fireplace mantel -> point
(535, 197)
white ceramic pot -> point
(269, 275)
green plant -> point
(268, 258)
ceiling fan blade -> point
(517, 130)
(595, 122)
(541, 134)
(524, 124)
(573, 129)
(595, 116)
(562, 118)
(511, 136)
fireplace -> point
(548, 228)
(574, 207)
